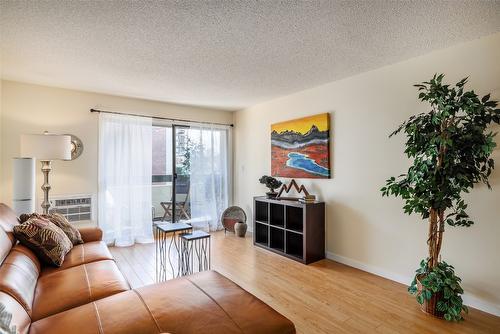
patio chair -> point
(181, 206)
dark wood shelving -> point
(290, 228)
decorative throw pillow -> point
(60, 221)
(25, 216)
(45, 239)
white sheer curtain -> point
(125, 149)
(209, 179)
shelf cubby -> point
(261, 212)
(294, 242)
(277, 217)
(277, 238)
(261, 234)
(294, 218)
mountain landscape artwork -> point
(300, 148)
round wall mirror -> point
(76, 147)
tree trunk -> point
(436, 217)
(436, 229)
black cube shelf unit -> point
(290, 228)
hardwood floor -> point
(323, 297)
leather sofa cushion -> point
(209, 302)
(90, 234)
(194, 304)
(6, 243)
(123, 313)
(8, 220)
(257, 317)
(18, 276)
(72, 287)
(20, 318)
(186, 309)
(106, 316)
(28, 253)
(80, 254)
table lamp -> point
(46, 147)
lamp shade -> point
(46, 146)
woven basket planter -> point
(430, 306)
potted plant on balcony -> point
(450, 147)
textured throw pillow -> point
(45, 239)
(60, 221)
(25, 216)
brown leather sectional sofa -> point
(88, 294)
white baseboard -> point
(469, 300)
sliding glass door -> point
(190, 174)
(171, 173)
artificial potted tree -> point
(271, 183)
(450, 147)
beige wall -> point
(1, 104)
(364, 229)
(30, 108)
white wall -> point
(28, 108)
(364, 229)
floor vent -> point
(75, 208)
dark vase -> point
(240, 229)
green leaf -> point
(441, 306)
(447, 293)
(420, 299)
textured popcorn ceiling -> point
(225, 54)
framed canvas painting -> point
(300, 148)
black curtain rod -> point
(156, 117)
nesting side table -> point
(194, 247)
(163, 253)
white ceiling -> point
(224, 54)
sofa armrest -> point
(91, 234)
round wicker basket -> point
(232, 215)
